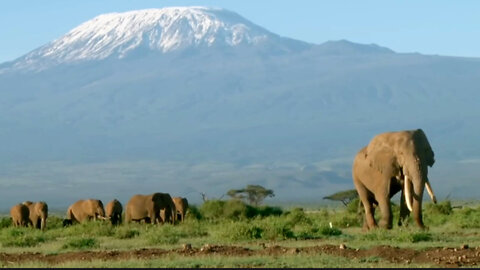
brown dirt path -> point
(442, 257)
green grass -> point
(246, 226)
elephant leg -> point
(367, 205)
(386, 211)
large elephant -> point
(181, 204)
(20, 215)
(147, 207)
(114, 211)
(392, 162)
(83, 210)
(38, 214)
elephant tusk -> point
(408, 194)
(430, 191)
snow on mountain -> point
(164, 30)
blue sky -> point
(428, 26)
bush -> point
(442, 208)
(81, 243)
(90, 228)
(21, 237)
(193, 213)
(276, 229)
(327, 231)
(164, 234)
(192, 228)
(237, 231)
(5, 222)
(54, 222)
(266, 211)
(126, 233)
(297, 216)
(212, 209)
(421, 236)
(236, 210)
(467, 218)
(353, 206)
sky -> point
(429, 27)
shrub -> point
(5, 222)
(304, 232)
(21, 237)
(164, 234)
(236, 231)
(421, 236)
(266, 211)
(297, 216)
(212, 209)
(192, 228)
(81, 243)
(236, 210)
(54, 222)
(193, 213)
(126, 233)
(327, 231)
(442, 208)
(467, 218)
(353, 206)
(90, 228)
(276, 229)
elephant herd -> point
(153, 208)
(391, 162)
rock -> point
(187, 247)
(343, 246)
(464, 246)
(206, 247)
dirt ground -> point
(443, 257)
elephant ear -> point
(424, 149)
(383, 159)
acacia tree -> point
(345, 196)
(254, 194)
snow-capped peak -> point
(166, 29)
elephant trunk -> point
(418, 178)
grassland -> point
(232, 234)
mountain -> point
(195, 99)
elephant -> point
(114, 211)
(38, 214)
(83, 210)
(20, 215)
(147, 207)
(392, 162)
(181, 204)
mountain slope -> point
(271, 110)
(118, 35)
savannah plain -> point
(230, 233)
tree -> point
(345, 196)
(254, 194)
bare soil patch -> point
(443, 257)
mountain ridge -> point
(222, 115)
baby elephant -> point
(114, 212)
(38, 214)
(20, 215)
(83, 210)
(181, 204)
